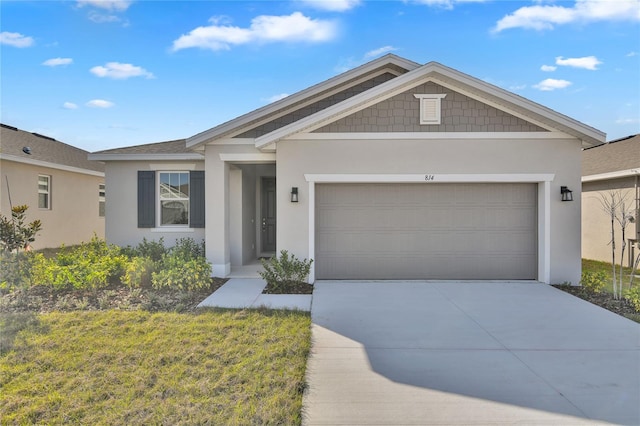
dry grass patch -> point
(115, 367)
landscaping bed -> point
(603, 299)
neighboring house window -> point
(174, 198)
(171, 199)
(430, 108)
(44, 192)
(101, 200)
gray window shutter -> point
(196, 183)
(146, 199)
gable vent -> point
(430, 108)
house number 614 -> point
(429, 178)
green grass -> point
(597, 266)
(117, 367)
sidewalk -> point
(241, 293)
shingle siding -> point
(401, 114)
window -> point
(101, 200)
(44, 192)
(174, 198)
(430, 108)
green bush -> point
(91, 265)
(138, 272)
(633, 296)
(15, 270)
(183, 267)
(286, 269)
(151, 249)
(594, 282)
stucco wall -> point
(122, 203)
(401, 113)
(596, 223)
(560, 157)
(73, 217)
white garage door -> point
(426, 231)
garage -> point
(451, 231)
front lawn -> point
(138, 367)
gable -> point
(314, 107)
(401, 113)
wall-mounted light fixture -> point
(567, 194)
(294, 195)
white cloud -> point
(117, 5)
(54, 62)
(332, 5)
(552, 84)
(69, 105)
(276, 98)
(119, 71)
(631, 54)
(99, 103)
(380, 51)
(15, 39)
(587, 62)
(446, 4)
(264, 29)
(546, 17)
(627, 120)
(100, 18)
(548, 68)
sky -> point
(101, 74)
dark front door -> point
(268, 212)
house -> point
(392, 170)
(614, 166)
(60, 185)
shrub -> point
(593, 281)
(151, 249)
(15, 234)
(184, 267)
(633, 296)
(138, 272)
(91, 265)
(15, 270)
(286, 269)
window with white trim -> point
(44, 192)
(173, 198)
(101, 199)
(430, 108)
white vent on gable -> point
(430, 110)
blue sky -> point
(101, 74)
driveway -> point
(417, 353)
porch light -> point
(294, 194)
(567, 194)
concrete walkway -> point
(242, 293)
(420, 353)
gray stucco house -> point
(392, 170)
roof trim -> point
(146, 157)
(432, 70)
(389, 59)
(611, 175)
(57, 166)
(427, 135)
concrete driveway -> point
(417, 353)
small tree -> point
(15, 234)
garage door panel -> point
(426, 231)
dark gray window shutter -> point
(196, 182)
(146, 199)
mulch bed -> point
(603, 299)
(290, 287)
(43, 299)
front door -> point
(268, 214)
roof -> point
(33, 148)
(173, 150)
(618, 158)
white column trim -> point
(252, 158)
(544, 202)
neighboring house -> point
(60, 185)
(392, 170)
(614, 166)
